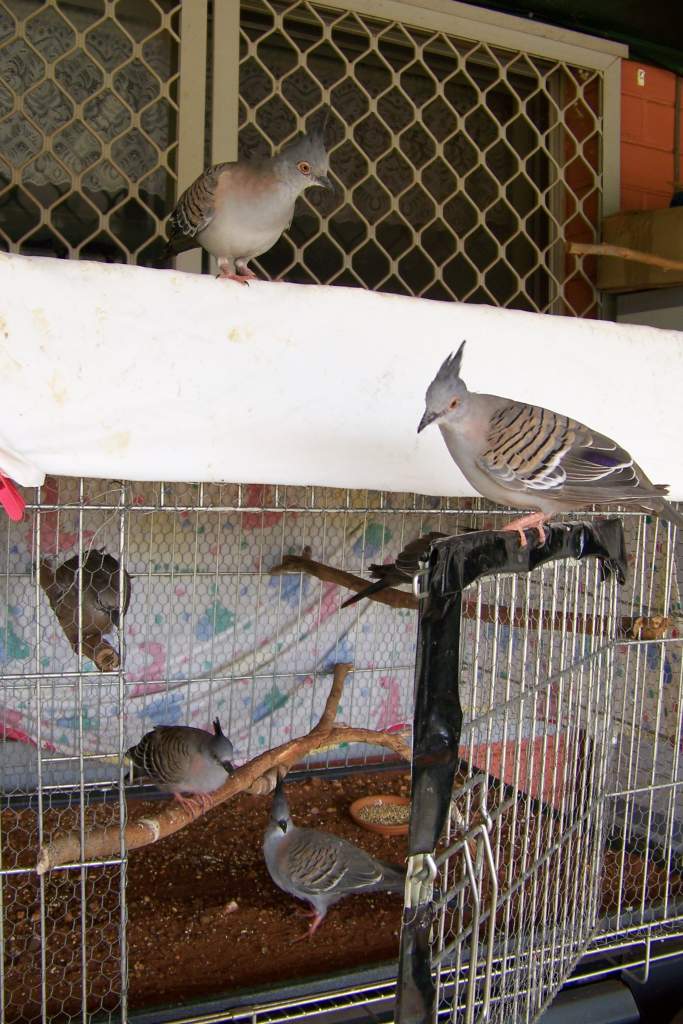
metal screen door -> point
(527, 891)
(89, 105)
(463, 167)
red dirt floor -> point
(204, 917)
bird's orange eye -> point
(304, 167)
(453, 403)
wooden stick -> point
(402, 599)
(101, 843)
(297, 563)
(620, 252)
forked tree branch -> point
(298, 563)
(101, 843)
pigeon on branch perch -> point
(182, 759)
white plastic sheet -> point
(126, 373)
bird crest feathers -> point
(318, 130)
(450, 368)
(279, 810)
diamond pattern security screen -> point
(88, 132)
(463, 168)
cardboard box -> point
(657, 232)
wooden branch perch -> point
(519, 617)
(101, 843)
(391, 595)
(620, 252)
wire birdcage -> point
(565, 831)
(521, 863)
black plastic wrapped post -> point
(454, 563)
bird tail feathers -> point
(394, 879)
(670, 514)
(372, 589)
(177, 245)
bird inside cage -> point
(319, 867)
(102, 579)
(187, 762)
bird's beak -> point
(229, 767)
(428, 418)
(282, 825)
(325, 182)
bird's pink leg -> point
(206, 802)
(534, 521)
(203, 801)
(189, 804)
(243, 275)
(315, 923)
(240, 278)
(305, 912)
(242, 269)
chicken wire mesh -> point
(206, 633)
(569, 804)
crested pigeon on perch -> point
(529, 457)
(401, 571)
(101, 578)
(237, 211)
(318, 867)
(182, 759)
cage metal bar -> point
(436, 739)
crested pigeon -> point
(529, 457)
(318, 867)
(101, 579)
(401, 571)
(182, 759)
(237, 211)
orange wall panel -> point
(647, 136)
(660, 85)
(647, 168)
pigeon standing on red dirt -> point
(318, 867)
